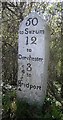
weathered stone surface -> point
(33, 53)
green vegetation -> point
(13, 109)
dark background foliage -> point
(12, 15)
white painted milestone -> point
(33, 52)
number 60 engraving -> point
(33, 21)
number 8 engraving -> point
(29, 68)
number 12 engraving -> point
(33, 40)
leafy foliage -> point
(12, 14)
(17, 110)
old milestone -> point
(33, 54)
